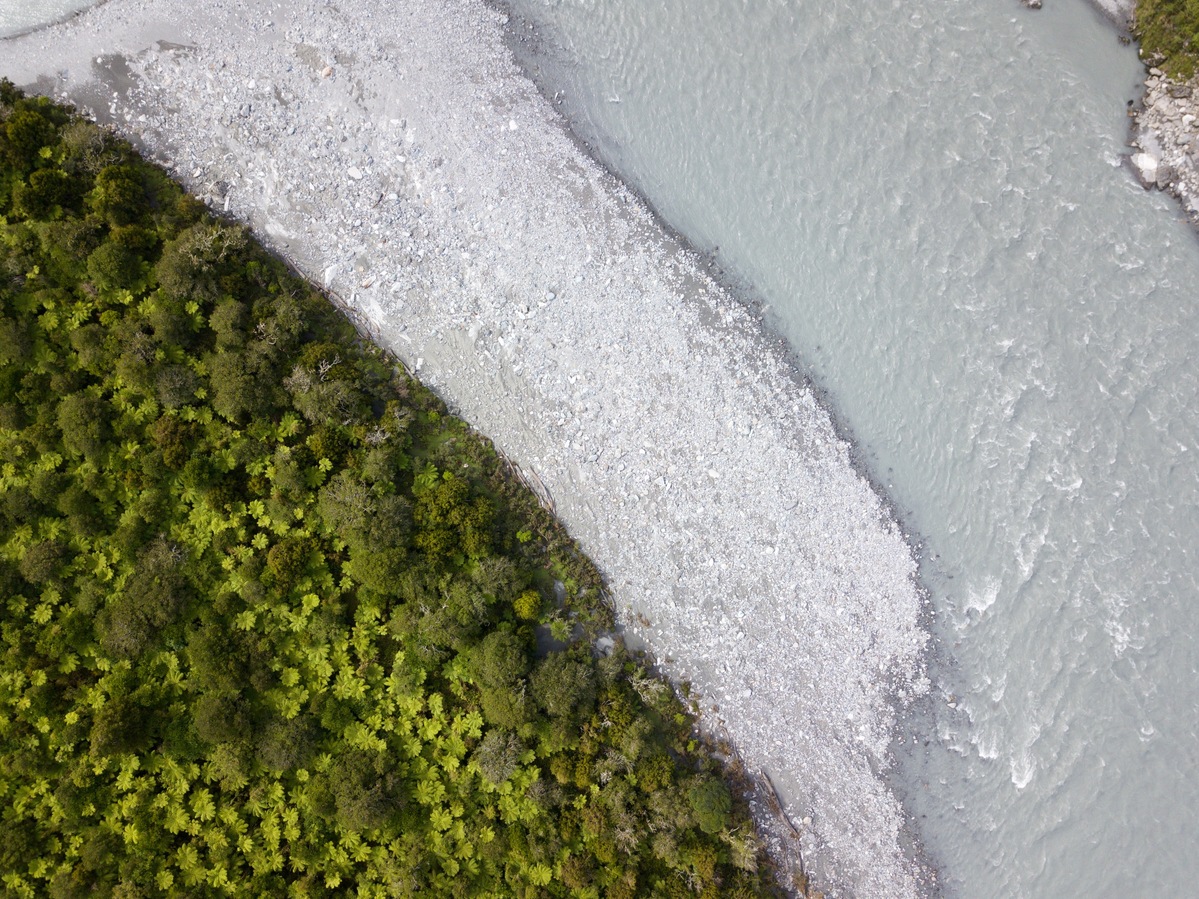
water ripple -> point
(931, 200)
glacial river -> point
(930, 199)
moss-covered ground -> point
(1169, 35)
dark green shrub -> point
(175, 385)
(711, 802)
(235, 388)
(15, 342)
(67, 244)
(221, 718)
(28, 129)
(120, 726)
(500, 659)
(153, 599)
(176, 438)
(451, 521)
(365, 793)
(44, 561)
(113, 266)
(93, 349)
(288, 558)
(194, 262)
(284, 745)
(564, 685)
(83, 419)
(498, 755)
(44, 192)
(119, 195)
(228, 322)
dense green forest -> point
(1169, 34)
(271, 621)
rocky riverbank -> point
(1165, 124)
(397, 155)
(1166, 135)
(1164, 129)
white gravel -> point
(395, 152)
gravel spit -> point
(396, 153)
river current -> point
(931, 202)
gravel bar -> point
(397, 155)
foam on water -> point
(932, 202)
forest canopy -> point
(272, 622)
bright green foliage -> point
(267, 627)
(528, 605)
(1169, 34)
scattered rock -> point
(1165, 134)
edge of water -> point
(524, 42)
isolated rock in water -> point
(1146, 167)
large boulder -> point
(1146, 166)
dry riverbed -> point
(397, 155)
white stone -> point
(1146, 165)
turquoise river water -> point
(930, 199)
